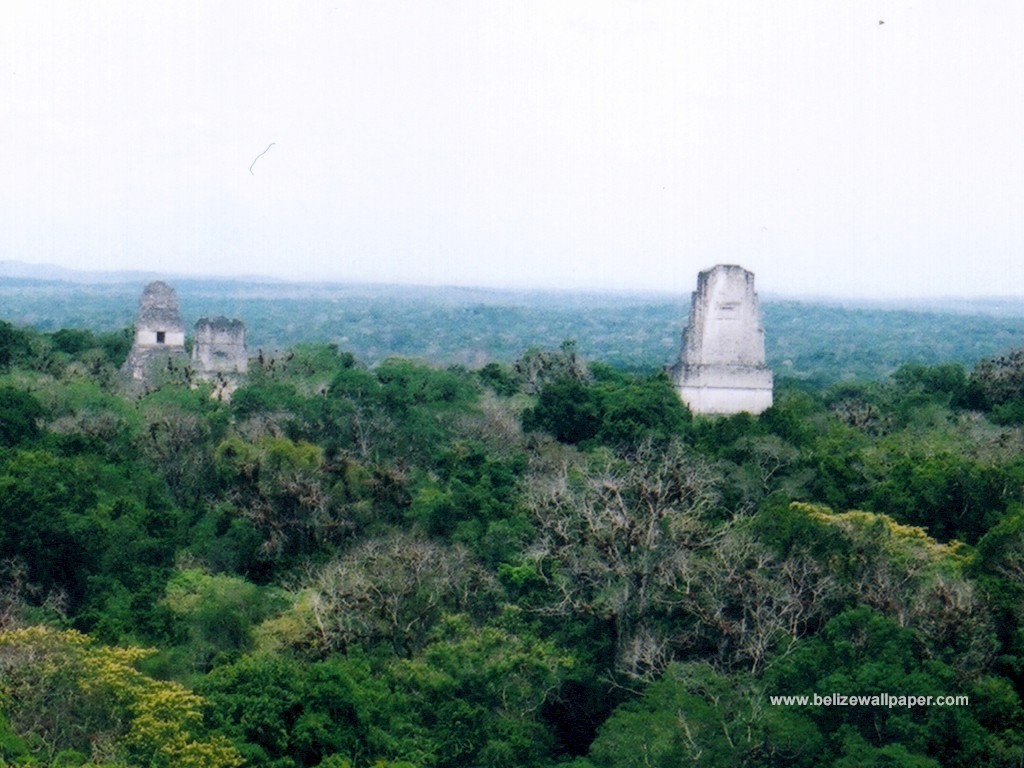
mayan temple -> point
(159, 333)
(721, 368)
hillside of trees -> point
(540, 560)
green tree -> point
(256, 701)
(214, 614)
(861, 651)
(14, 344)
(910, 577)
(101, 534)
(46, 504)
(20, 413)
(284, 490)
(997, 380)
(499, 378)
(644, 409)
(405, 383)
(696, 716)
(568, 409)
(472, 498)
(179, 430)
(475, 694)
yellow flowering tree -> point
(63, 691)
(912, 578)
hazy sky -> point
(570, 144)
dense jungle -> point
(534, 557)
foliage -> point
(613, 536)
(214, 614)
(998, 380)
(637, 542)
(471, 498)
(499, 378)
(862, 652)
(901, 571)
(19, 416)
(537, 368)
(393, 592)
(278, 487)
(567, 410)
(475, 694)
(179, 428)
(615, 411)
(375, 564)
(63, 691)
(14, 344)
(471, 696)
(696, 716)
(279, 712)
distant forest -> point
(814, 341)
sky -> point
(853, 148)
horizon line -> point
(57, 273)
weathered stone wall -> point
(219, 347)
(721, 367)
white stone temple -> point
(159, 332)
(721, 368)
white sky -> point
(545, 143)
